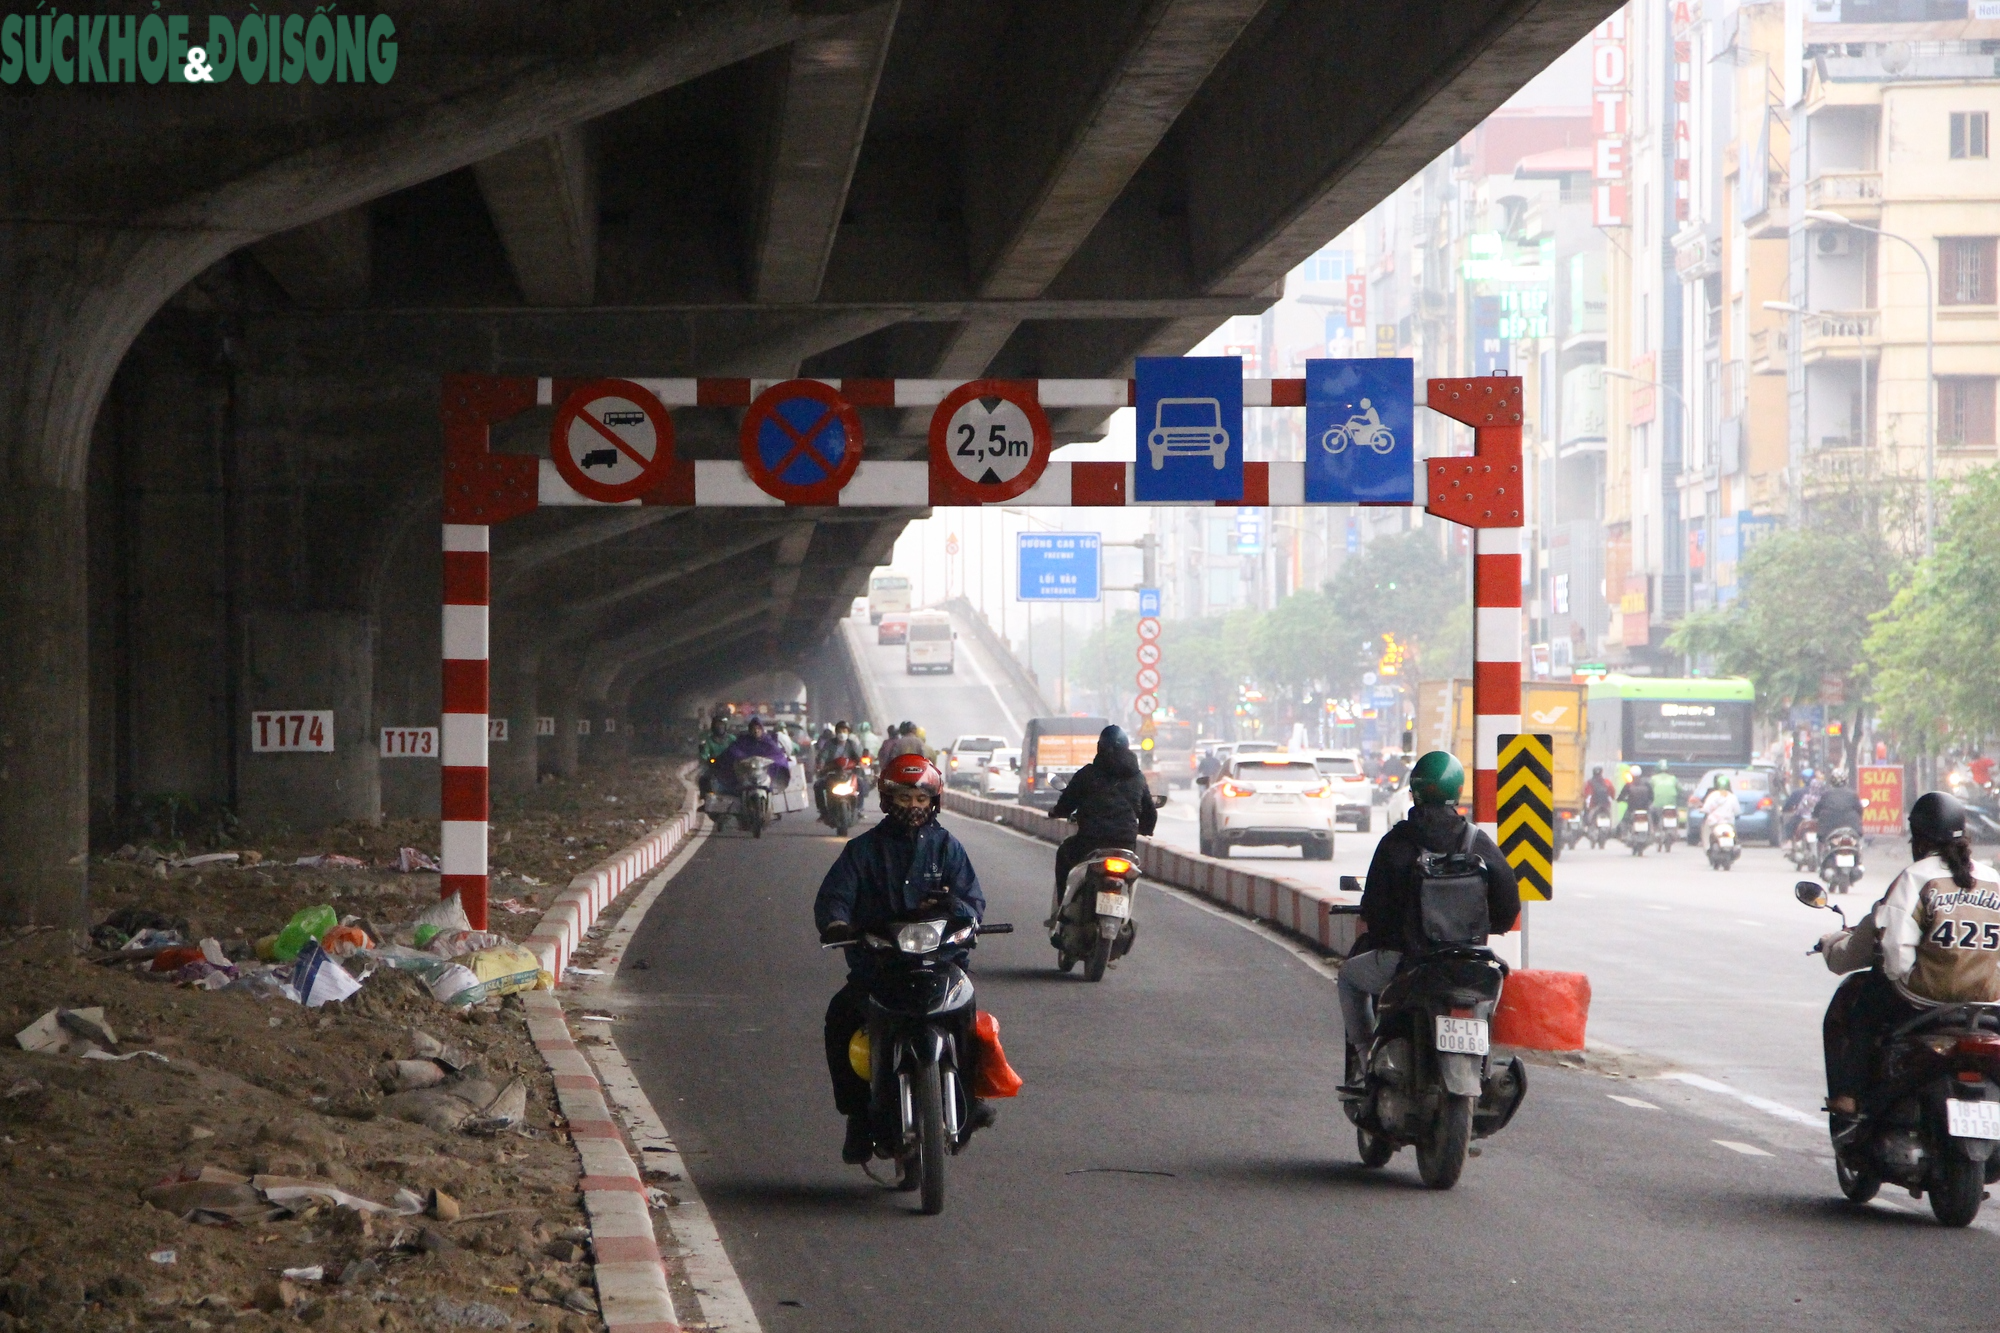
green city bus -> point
(1694, 723)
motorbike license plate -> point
(1467, 1036)
(1972, 1120)
(1113, 904)
(1843, 859)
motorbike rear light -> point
(1117, 865)
(1971, 1076)
(1988, 1047)
(1461, 1013)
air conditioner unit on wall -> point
(1833, 241)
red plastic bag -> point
(995, 1077)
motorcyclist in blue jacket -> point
(907, 864)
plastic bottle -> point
(309, 924)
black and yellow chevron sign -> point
(1528, 813)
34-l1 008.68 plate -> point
(1466, 1036)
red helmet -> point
(911, 772)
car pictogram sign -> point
(990, 441)
(801, 442)
(612, 441)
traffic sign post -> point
(990, 442)
(1057, 566)
(801, 442)
(612, 441)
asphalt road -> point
(1178, 1160)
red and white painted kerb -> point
(463, 805)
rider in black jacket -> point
(1110, 802)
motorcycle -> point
(1600, 827)
(1803, 851)
(918, 1101)
(1722, 847)
(1093, 922)
(842, 791)
(1840, 865)
(753, 794)
(1428, 1080)
(1667, 822)
(1638, 833)
(1932, 1125)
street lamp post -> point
(1795, 381)
(1833, 219)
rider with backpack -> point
(1398, 918)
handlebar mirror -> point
(1349, 884)
(1809, 892)
(1159, 801)
(1201, 781)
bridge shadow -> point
(796, 1196)
(1316, 1171)
(1028, 972)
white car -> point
(1270, 800)
(965, 762)
(1353, 793)
(1000, 775)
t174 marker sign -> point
(302, 731)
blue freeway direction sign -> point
(1058, 566)
(1190, 428)
(1360, 431)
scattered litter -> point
(457, 943)
(67, 1031)
(408, 1075)
(288, 1189)
(409, 860)
(529, 879)
(331, 860)
(275, 1294)
(443, 915)
(163, 1257)
(588, 971)
(21, 1088)
(515, 907)
(314, 1273)
(152, 938)
(594, 1018)
(468, 1314)
(503, 969)
(427, 1047)
(209, 859)
(317, 979)
(212, 1197)
(454, 980)
(442, 1206)
(129, 1055)
(471, 1104)
(344, 941)
(308, 926)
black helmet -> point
(1937, 818)
(1112, 738)
(1597, 771)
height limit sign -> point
(990, 441)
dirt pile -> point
(240, 1161)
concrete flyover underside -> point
(228, 307)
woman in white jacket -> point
(1934, 938)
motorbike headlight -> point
(959, 936)
(842, 789)
(920, 937)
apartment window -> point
(1965, 410)
(1965, 270)
(1968, 134)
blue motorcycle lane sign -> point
(1189, 428)
(1360, 429)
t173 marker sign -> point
(409, 742)
(301, 731)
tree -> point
(1290, 647)
(1932, 653)
(1801, 612)
(1402, 585)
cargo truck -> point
(1557, 708)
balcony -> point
(1840, 335)
(1853, 194)
(1769, 350)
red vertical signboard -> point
(1610, 167)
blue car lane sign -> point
(1149, 602)
(1190, 428)
(1360, 431)
(1057, 566)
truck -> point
(887, 593)
(928, 642)
(1052, 750)
(1556, 708)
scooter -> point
(915, 1049)
(1722, 847)
(1932, 1125)
(1093, 922)
(1667, 827)
(1600, 827)
(1840, 864)
(1638, 833)
(1428, 1079)
(842, 795)
(1803, 851)
(753, 794)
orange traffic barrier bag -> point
(995, 1077)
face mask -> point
(912, 817)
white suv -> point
(965, 764)
(1353, 793)
(1269, 800)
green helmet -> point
(1722, 781)
(1437, 779)
(1660, 767)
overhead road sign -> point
(801, 442)
(1528, 812)
(1189, 428)
(1361, 431)
(1058, 566)
(612, 441)
(990, 442)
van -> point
(1053, 749)
(927, 643)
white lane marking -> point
(1632, 1101)
(1764, 1104)
(1747, 1149)
(1013, 723)
(1658, 907)
(1746, 921)
(724, 1305)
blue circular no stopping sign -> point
(801, 442)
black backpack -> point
(1451, 896)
